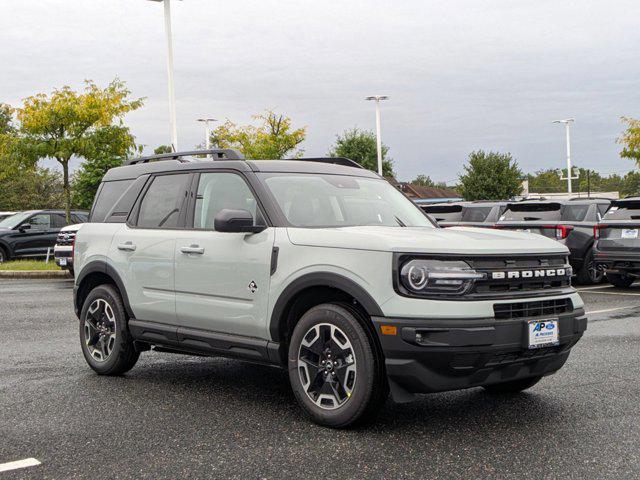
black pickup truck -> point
(617, 246)
(570, 222)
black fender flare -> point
(7, 248)
(319, 279)
(100, 266)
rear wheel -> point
(589, 274)
(513, 386)
(335, 372)
(620, 280)
(106, 343)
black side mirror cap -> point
(235, 221)
(24, 227)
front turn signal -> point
(388, 330)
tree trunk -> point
(66, 188)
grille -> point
(65, 238)
(495, 287)
(539, 308)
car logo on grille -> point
(537, 273)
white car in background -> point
(63, 250)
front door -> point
(40, 236)
(222, 279)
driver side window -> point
(40, 222)
(219, 191)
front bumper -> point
(461, 353)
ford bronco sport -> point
(323, 268)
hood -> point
(460, 240)
(71, 228)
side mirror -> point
(24, 227)
(237, 221)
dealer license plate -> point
(63, 262)
(629, 233)
(543, 333)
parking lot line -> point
(27, 462)
(606, 310)
(594, 288)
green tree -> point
(6, 119)
(32, 189)
(273, 138)
(424, 181)
(162, 149)
(360, 146)
(68, 124)
(490, 176)
(630, 185)
(631, 140)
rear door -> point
(142, 251)
(222, 278)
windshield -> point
(475, 214)
(314, 200)
(14, 220)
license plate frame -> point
(540, 335)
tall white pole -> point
(207, 132)
(172, 96)
(378, 137)
(569, 173)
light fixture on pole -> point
(378, 98)
(567, 122)
(207, 131)
(172, 96)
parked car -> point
(4, 215)
(320, 267)
(467, 214)
(63, 250)
(570, 222)
(617, 246)
(33, 233)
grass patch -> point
(29, 265)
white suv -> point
(323, 268)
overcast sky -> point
(462, 75)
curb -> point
(34, 274)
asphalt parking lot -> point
(188, 417)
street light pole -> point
(172, 96)
(207, 131)
(567, 122)
(377, 99)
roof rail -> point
(217, 154)
(346, 162)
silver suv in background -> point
(483, 214)
(320, 267)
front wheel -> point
(620, 280)
(514, 386)
(335, 371)
(106, 343)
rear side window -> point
(59, 220)
(475, 214)
(444, 213)
(108, 195)
(531, 212)
(160, 207)
(624, 211)
(574, 213)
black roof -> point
(186, 161)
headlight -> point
(438, 277)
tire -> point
(620, 280)
(513, 386)
(589, 274)
(350, 387)
(113, 352)
(3, 255)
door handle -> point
(192, 249)
(127, 247)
